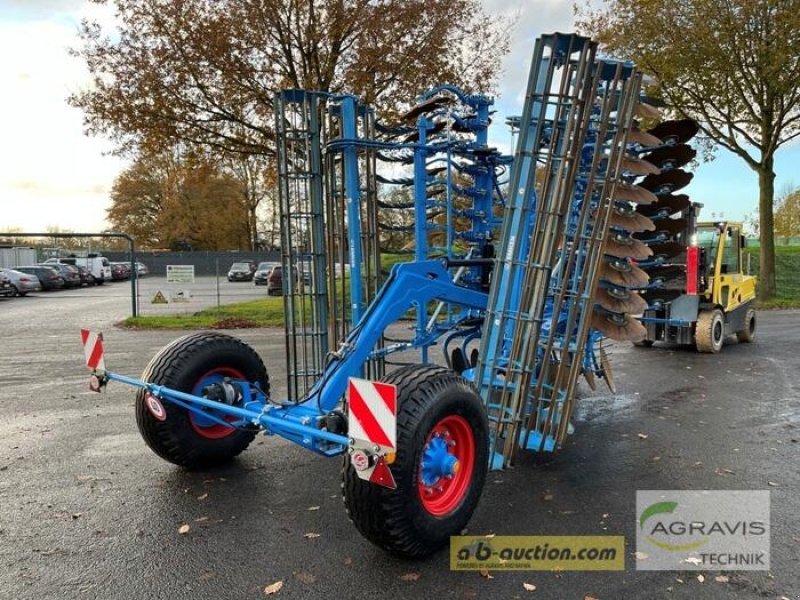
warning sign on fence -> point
(159, 298)
(180, 273)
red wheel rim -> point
(442, 495)
(214, 431)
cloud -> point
(50, 169)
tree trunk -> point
(766, 230)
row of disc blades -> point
(646, 226)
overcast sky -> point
(51, 174)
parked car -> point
(86, 276)
(240, 271)
(141, 269)
(49, 277)
(22, 283)
(98, 266)
(70, 274)
(120, 271)
(263, 271)
(6, 288)
(275, 280)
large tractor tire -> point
(189, 364)
(440, 465)
(748, 334)
(710, 331)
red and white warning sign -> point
(373, 413)
(93, 350)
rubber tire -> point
(644, 344)
(396, 520)
(179, 365)
(709, 324)
(15, 291)
(748, 334)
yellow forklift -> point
(715, 299)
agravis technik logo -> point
(708, 530)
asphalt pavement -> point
(88, 511)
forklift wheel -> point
(441, 425)
(748, 334)
(710, 331)
(188, 365)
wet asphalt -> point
(88, 511)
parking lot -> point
(88, 511)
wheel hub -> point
(446, 465)
(437, 462)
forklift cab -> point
(724, 283)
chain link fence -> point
(787, 268)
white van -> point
(98, 266)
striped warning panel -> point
(373, 412)
(93, 349)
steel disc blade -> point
(671, 157)
(648, 140)
(428, 105)
(622, 272)
(659, 297)
(637, 166)
(675, 132)
(608, 374)
(624, 216)
(647, 111)
(669, 278)
(588, 375)
(672, 202)
(618, 326)
(667, 181)
(621, 300)
(633, 193)
(671, 226)
(667, 249)
(623, 246)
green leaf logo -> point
(661, 508)
(655, 509)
